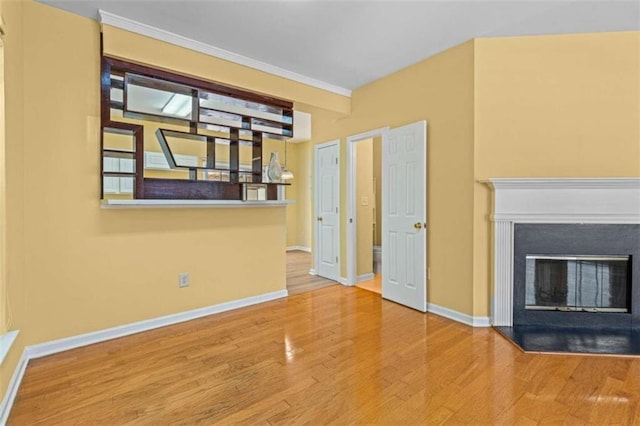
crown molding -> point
(178, 40)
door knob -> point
(319, 219)
(417, 225)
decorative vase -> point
(274, 171)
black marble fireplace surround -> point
(612, 333)
(577, 240)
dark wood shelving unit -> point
(118, 153)
(240, 117)
(119, 174)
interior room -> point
(449, 232)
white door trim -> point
(316, 243)
(351, 197)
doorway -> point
(299, 280)
(364, 201)
(404, 222)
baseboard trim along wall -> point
(60, 345)
(365, 277)
(12, 388)
(6, 341)
(301, 248)
(459, 316)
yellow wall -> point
(73, 267)
(551, 106)
(299, 234)
(364, 206)
(439, 90)
(377, 175)
(14, 154)
(3, 195)
(291, 191)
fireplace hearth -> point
(614, 341)
(566, 263)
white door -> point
(327, 216)
(404, 249)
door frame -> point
(351, 257)
(316, 197)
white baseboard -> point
(344, 281)
(12, 389)
(459, 316)
(300, 248)
(365, 277)
(341, 280)
(6, 341)
(359, 278)
(60, 345)
(55, 346)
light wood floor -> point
(337, 355)
(374, 285)
(298, 278)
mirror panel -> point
(157, 97)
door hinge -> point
(336, 259)
(336, 210)
(336, 160)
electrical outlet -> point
(183, 279)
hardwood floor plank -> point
(374, 285)
(298, 278)
(337, 355)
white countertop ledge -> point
(136, 204)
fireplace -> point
(576, 275)
(567, 264)
(569, 224)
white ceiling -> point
(351, 43)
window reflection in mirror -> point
(245, 157)
(157, 97)
(222, 154)
(118, 164)
(213, 101)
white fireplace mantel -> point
(551, 200)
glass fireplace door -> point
(577, 283)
